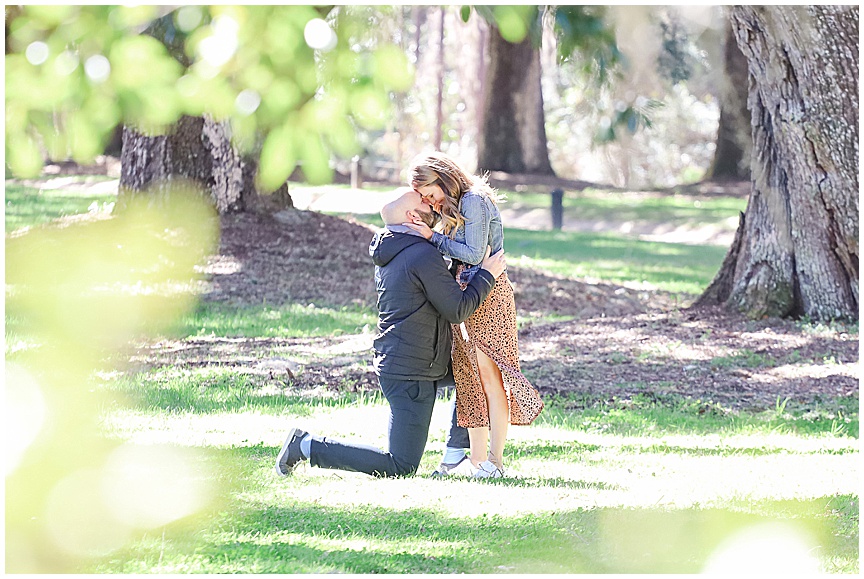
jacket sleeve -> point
(476, 214)
(454, 304)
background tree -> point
(513, 135)
(796, 249)
(732, 155)
(197, 148)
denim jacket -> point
(482, 227)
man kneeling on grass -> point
(418, 299)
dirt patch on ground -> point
(620, 342)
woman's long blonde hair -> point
(439, 169)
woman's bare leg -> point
(478, 438)
(499, 411)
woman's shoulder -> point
(473, 196)
(478, 200)
(472, 201)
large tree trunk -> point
(197, 148)
(732, 156)
(513, 136)
(797, 251)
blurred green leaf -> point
(392, 69)
(130, 16)
(142, 61)
(47, 16)
(218, 98)
(23, 156)
(85, 142)
(278, 159)
(316, 160)
(343, 138)
(99, 66)
(368, 106)
(514, 21)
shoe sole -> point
(288, 440)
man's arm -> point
(454, 304)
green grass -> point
(28, 206)
(599, 205)
(219, 389)
(670, 267)
(660, 415)
(651, 483)
(310, 538)
(285, 321)
(648, 488)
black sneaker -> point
(290, 455)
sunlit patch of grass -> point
(675, 268)
(29, 206)
(221, 389)
(574, 498)
(659, 414)
(597, 205)
(18, 339)
(611, 511)
(285, 321)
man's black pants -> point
(411, 406)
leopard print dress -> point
(492, 328)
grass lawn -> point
(291, 320)
(600, 205)
(649, 489)
(178, 475)
(670, 267)
(29, 206)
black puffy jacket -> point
(417, 300)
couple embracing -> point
(427, 315)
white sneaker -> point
(461, 468)
(488, 470)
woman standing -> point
(491, 392)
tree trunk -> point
(513, 136)
(732, 156)
(797, 254)
(197, 148)
(437, 135)
(419, 17)
(481, 71)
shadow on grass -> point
(309, 538)
(284, 535)
(223, 390)
(280, 534)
